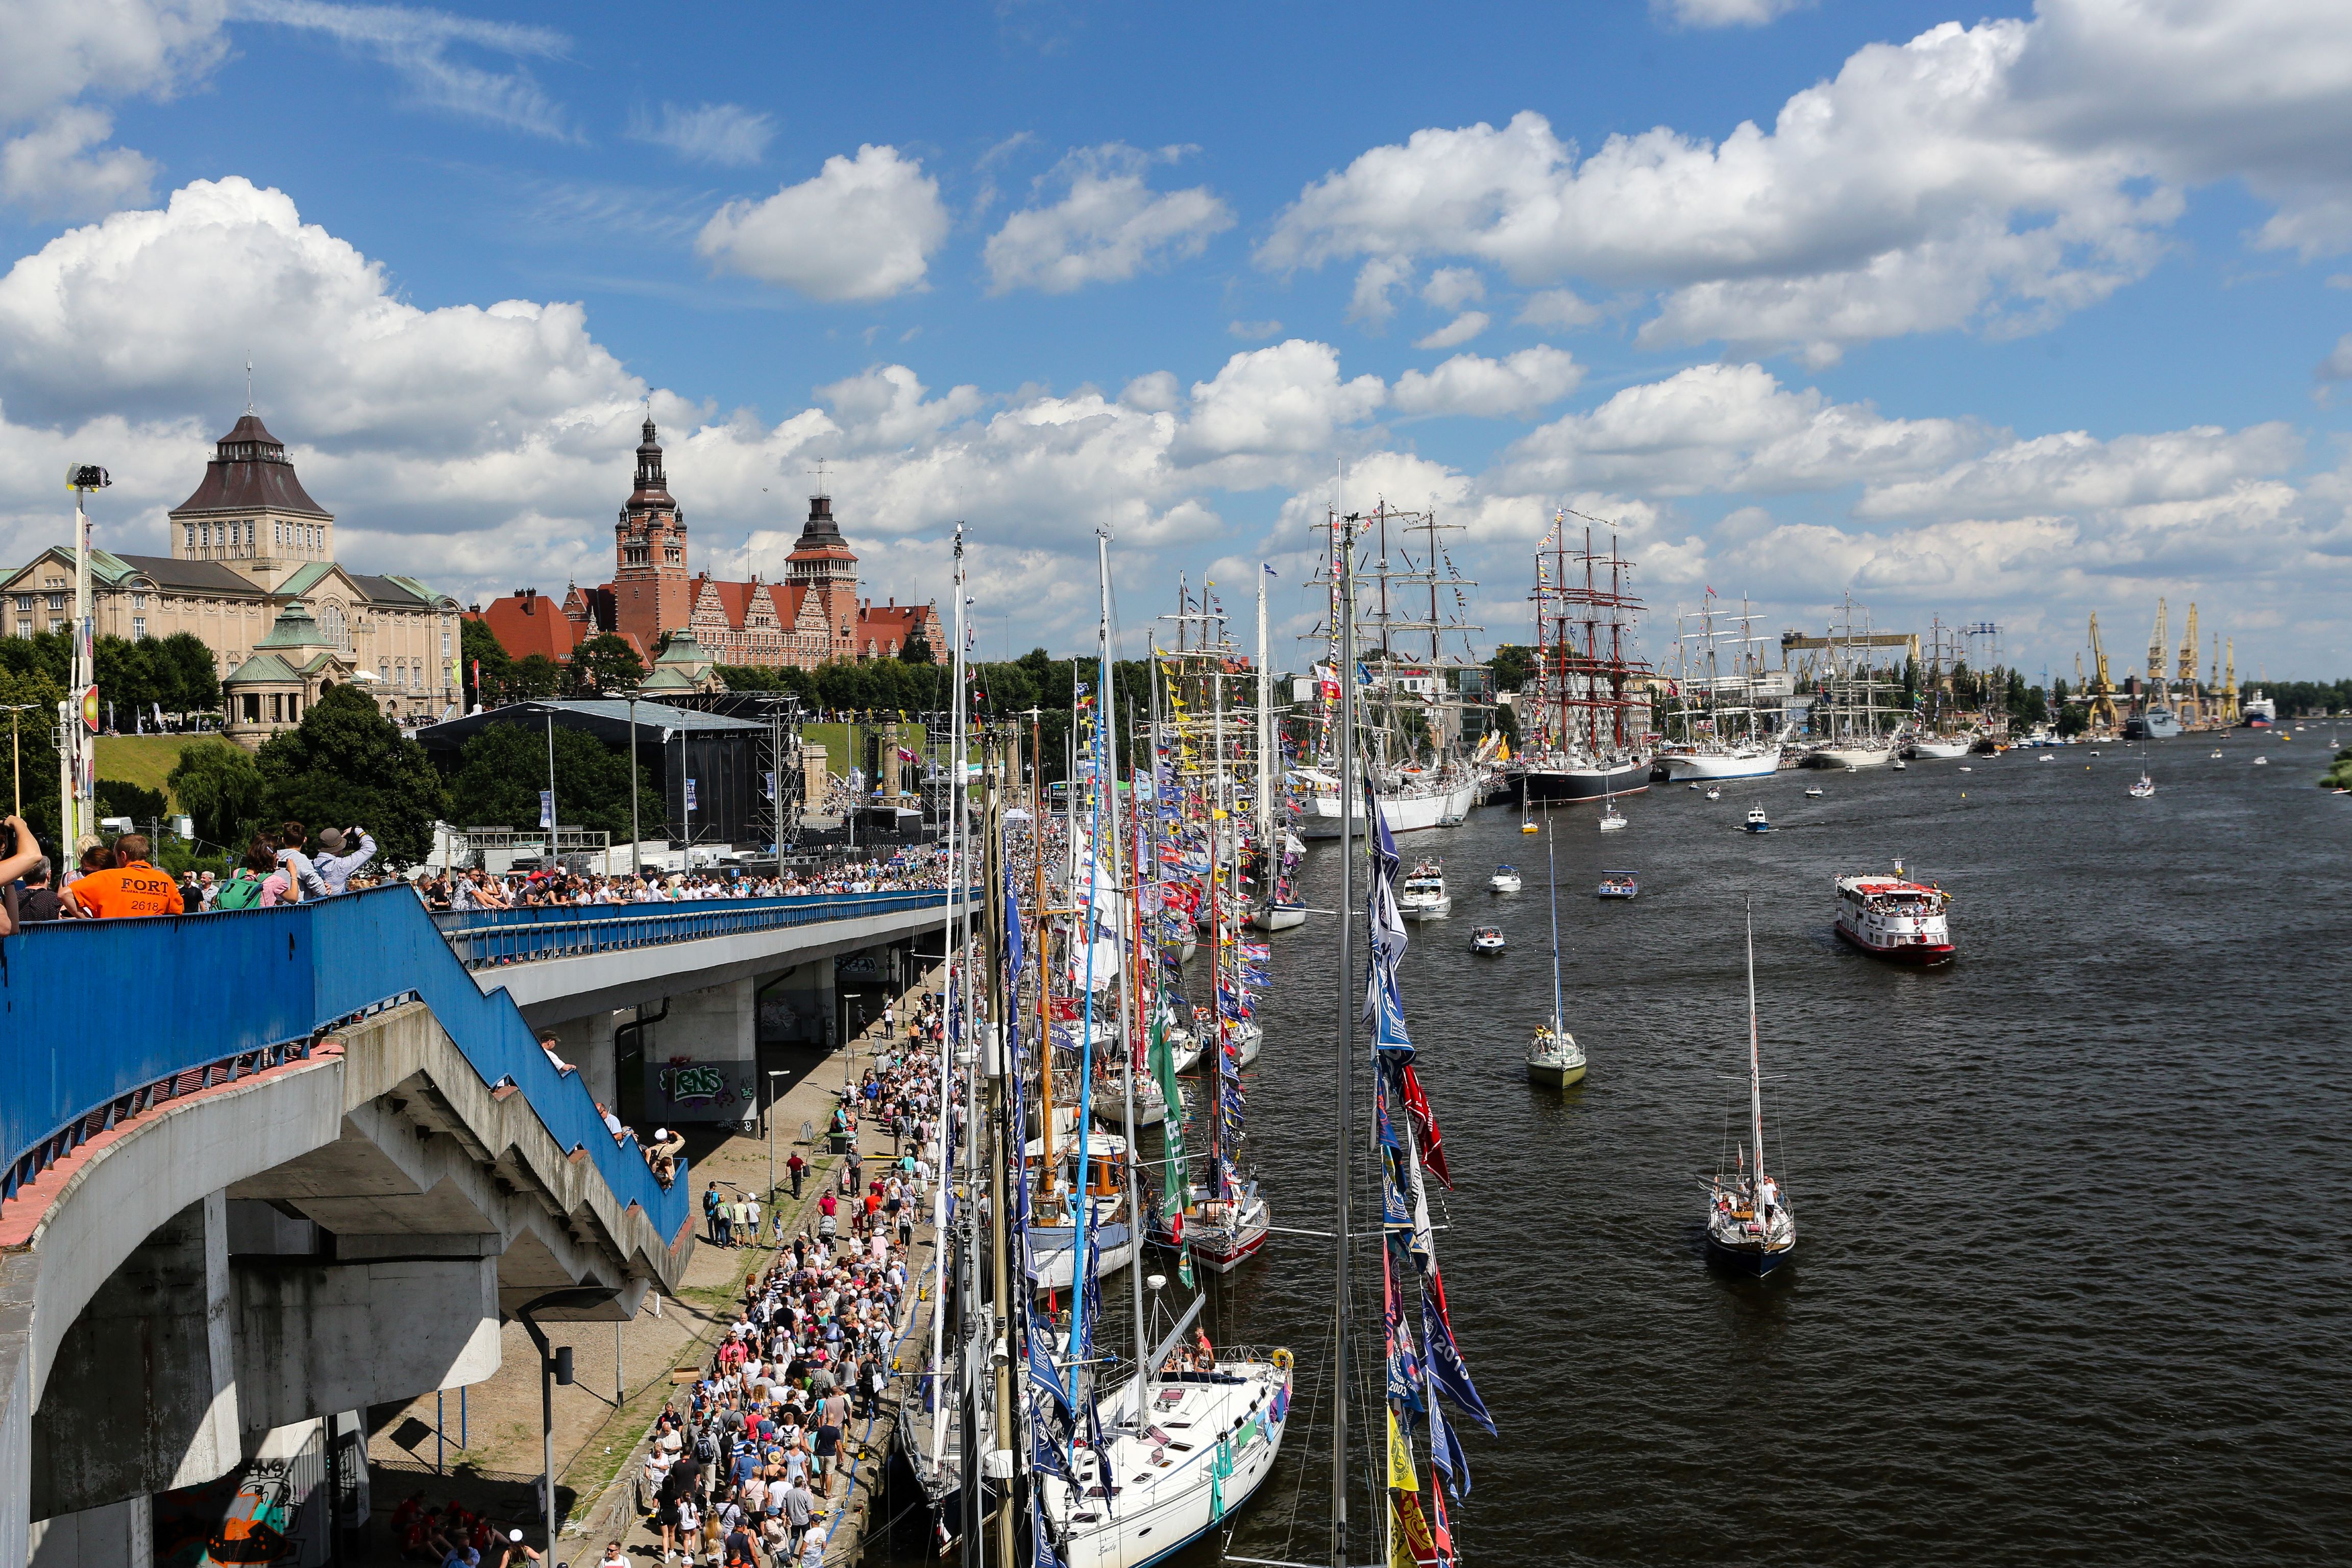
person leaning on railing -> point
(132, 887)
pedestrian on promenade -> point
(711, 1217)
(796, 1165)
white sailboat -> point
(1554, 1058)
(1750, 1228)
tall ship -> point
(1717, 703)
(1893, 918)
(1943, 729)
(1859, 703)
(1410, 719)
(1585, 711)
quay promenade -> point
(605, 1421)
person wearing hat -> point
(334, 863)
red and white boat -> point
(1892, 918)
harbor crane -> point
(2102, 690)
(2190, 710)
(2156, 694)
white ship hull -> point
(1939, 751)
(1743, 763)
(1409, 811)
(1855, 756)
(1053, 1251)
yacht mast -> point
(1127, 978)
(1551, 866)
(1755, 1076)
(1344, 755)
(1267, 770)
(947, 1053)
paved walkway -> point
(623, 1373)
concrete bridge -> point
(267, 1168)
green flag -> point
(1176, 1181)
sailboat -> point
(1750, 1228)
(1554, 1058)
(1612, 819)
(2144, 786)
(1124, 1475)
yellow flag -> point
(1400, 1472)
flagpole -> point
(1345, 753)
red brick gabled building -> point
(813, 616)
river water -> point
(2071, 1285)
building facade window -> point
(138, 601)
(57, 604)
(138, 628)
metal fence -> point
(100, 1019)
(487, 938)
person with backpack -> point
(242, 890)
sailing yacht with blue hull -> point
(1750, 1228)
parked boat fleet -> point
(1104, 990)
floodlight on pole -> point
(78, 775)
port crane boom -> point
(2102, 690)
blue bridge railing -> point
(100, 1019)
(484, 938)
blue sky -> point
(2013, 317)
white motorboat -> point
(1424, 896)
(1757, 821)
(1812, 792)
(1486, 939)
(1893, 918)
(1505, 879)
(2262, 761)
(1898, 764)
(1279, 917)
(1714, 794)
(1853, 756)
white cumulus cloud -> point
(55, 57)
(1108, 225)
(1991, 177)
(862, 229)
(1518, 384)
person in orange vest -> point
(132, 887)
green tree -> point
(44, 653)
(2340, 776)
(347, 764)
(187, 679)
(220, 785)
(126, 678)
(917, 650)
(120, 797)
(1513, 666)
(533, 675)
(605, 665)
(481, 649)
(501, 771)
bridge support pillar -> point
(142, 1395)
(702, 1061)
(116, 1535)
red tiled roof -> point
(526, 624)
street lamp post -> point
(636, 856)
(773, 1074)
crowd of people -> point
(284, 867)
(290, 865)
(909, 870)
(744, 1472)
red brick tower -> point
(823, 563)
(650, 589)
